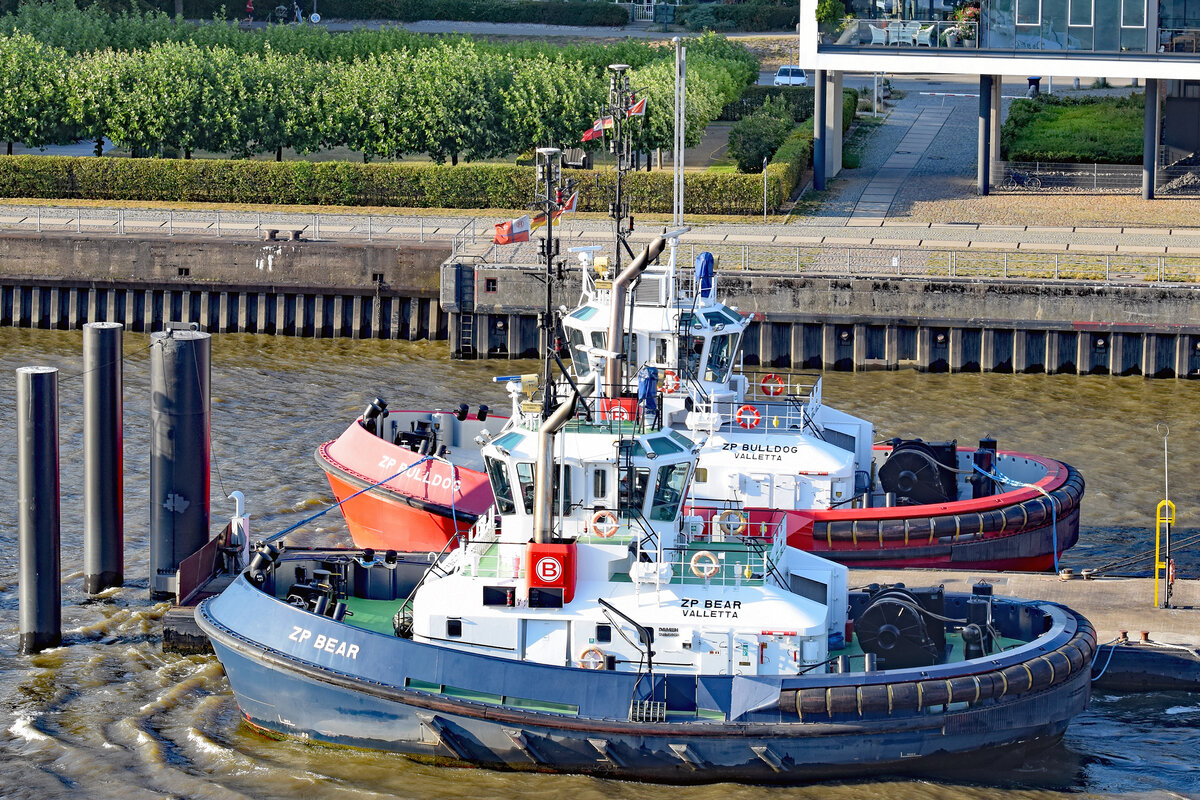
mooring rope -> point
(338, 504)
(996, 476)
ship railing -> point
(776, 386)
(762, 417)
(493, 560)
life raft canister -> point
(748, 417)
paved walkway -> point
(876, 200)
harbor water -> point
(109, 715)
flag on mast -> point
(638, 109)
(513, 231)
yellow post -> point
(1164, 518)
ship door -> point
(756, 489)
(546, 641)
(745, 655)
(712, 647)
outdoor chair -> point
(878, 35)
(925, 36)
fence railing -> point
(1126, 178)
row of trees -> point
(449, 99)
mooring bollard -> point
(37, 509)
(179, 454)
(103, 466)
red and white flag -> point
(638, 109)
(594, 132)
(513, 231)
(569, 206)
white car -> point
(789, 75)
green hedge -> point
(740, 17)
(794, 157)
(352, 184)
(557, 13)
(1104, 130)
(753, 97)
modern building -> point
(1155, 41)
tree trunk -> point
(99, 149)
(454, 159)
(10, 148)
(279, 154)
(187, 153)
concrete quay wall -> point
(934, 324)
(298, 288)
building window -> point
(1133, 14)
(1029, 12)
(1081, 13)
(489, 284)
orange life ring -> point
(605, 524)
(748, 417)
(592, 658)
(670, 382)
(772, 385)
(705, 564)
(732, 522)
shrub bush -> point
(740, 17)
(1104, 130)
(754, 139)
(352, 184)
(559, 13)
(800, 98)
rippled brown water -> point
(109, 715)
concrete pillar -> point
(859, 347)
(766, 353)
(833, 124)
(356, 316)
(433, 319)
(339, 315)
(55, 308)
(797, 339)
(955, 357)
(1083, 353)
(820, 114)
(1020, 364)
(1182, 341)
(110, 313)
(394, 318)
(1150, 138)
(148, 311)
(319, 316)
(987, 350)
(891, 347)
(513, 331)
(223, 313)
(995, 118)
(301, 317)
(130, 305)
(73, 308)
(983, 177)
(828, 346)
(260, 321)
(1148, 348)
(924, 349)
(1052, 362)
(281, 309)
(379, 325)
(243, 315)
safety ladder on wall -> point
(465, 295)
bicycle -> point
(1021, 180)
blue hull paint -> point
(287, 684)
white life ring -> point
(592, 658)
(732, 522)
(705, 564)
(670, 382)
(605, 524)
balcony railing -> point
(908, 33)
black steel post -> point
(179, 453)
(103, 465)
(1150, 139)
(984, 173)
(40, 584)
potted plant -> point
(966, 15)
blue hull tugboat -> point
(597, 620)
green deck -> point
(373, 615)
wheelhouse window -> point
(658, 346)
(694, 352)
(600, 483)
(720, 356)
(633, 492)
(583, 367)
(525, 478)
(668, 491)
(501, 487)
(562, 487)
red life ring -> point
(748, 417)
(670, 382)
(772, 385)
(605, 524)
